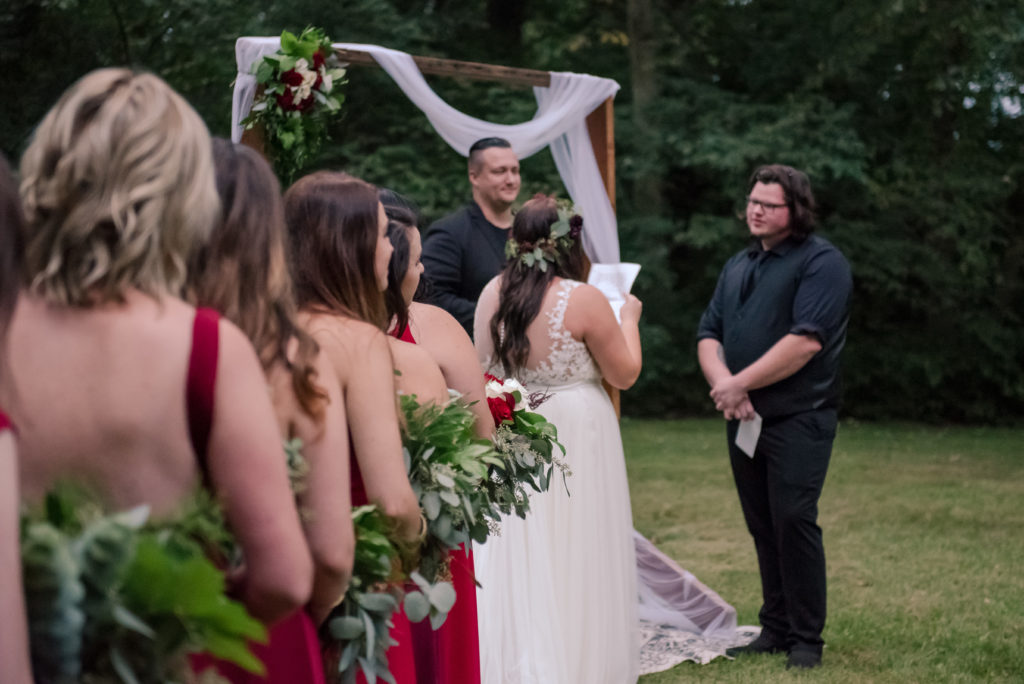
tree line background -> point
(905, 113)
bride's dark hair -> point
(523, 287)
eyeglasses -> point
(767, 206)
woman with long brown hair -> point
(451, 653)
(339, 255)
(120, 386)
(242, 272)
(572, 555)
(14, 653)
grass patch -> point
(923, 537)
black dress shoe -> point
(804, 659)
(764, 643)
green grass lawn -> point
(924, 536)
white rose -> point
(494, 389)
(513, 386)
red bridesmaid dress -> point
(292, 653)
(451, 654)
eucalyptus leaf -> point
(431, 502)
(442, 596)
(346, 628)
(377, 602)
(121, 666)
(416, 606)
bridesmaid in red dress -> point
(339, 255)
(242, 272)
(117, 379)
(451, 653)
(14, 654)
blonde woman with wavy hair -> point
(120, 385)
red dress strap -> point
(202, 376)
(405, 335)
(5, 423)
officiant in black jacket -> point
(464, 250)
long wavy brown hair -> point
(242, 271)
(332, 232)
(523, 288)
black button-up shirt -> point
(461, 253)
(798, 287)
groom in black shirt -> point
(769, 344)
(464, 250)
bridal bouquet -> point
(525, 442)
(110, 598)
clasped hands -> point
(731, 399)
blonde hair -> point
(117, 187)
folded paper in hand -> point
(613, 280)
(747, 435)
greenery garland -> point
(112, 598)
(300, 96)
(447, 466)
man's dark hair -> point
(796, 186)
(483, 144)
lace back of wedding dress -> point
(556, 357)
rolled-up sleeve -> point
(822, 302)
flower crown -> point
(564, 232)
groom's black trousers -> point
(779, 490)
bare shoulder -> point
(408, 355)
(586, 308)
(587, 296)
(492, 286)
(433, 317)
(349, 334)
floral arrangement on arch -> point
(525, 440)
(300, 96)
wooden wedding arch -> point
(600, 122)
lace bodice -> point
(568, 360)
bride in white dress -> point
(558, 602)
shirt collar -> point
(782, 249)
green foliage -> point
(447, 466)
(112, 600)
(359, 628)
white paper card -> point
(747, 435)
(613, 280)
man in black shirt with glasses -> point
(769, 344)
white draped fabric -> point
(559, 123)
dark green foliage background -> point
(906, 114)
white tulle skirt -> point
(558, 602)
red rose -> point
(319, 80)
(501, 408)
(305, 104)
(285, 101)
(292, 78)
(318, 59)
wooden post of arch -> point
(600, 122)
